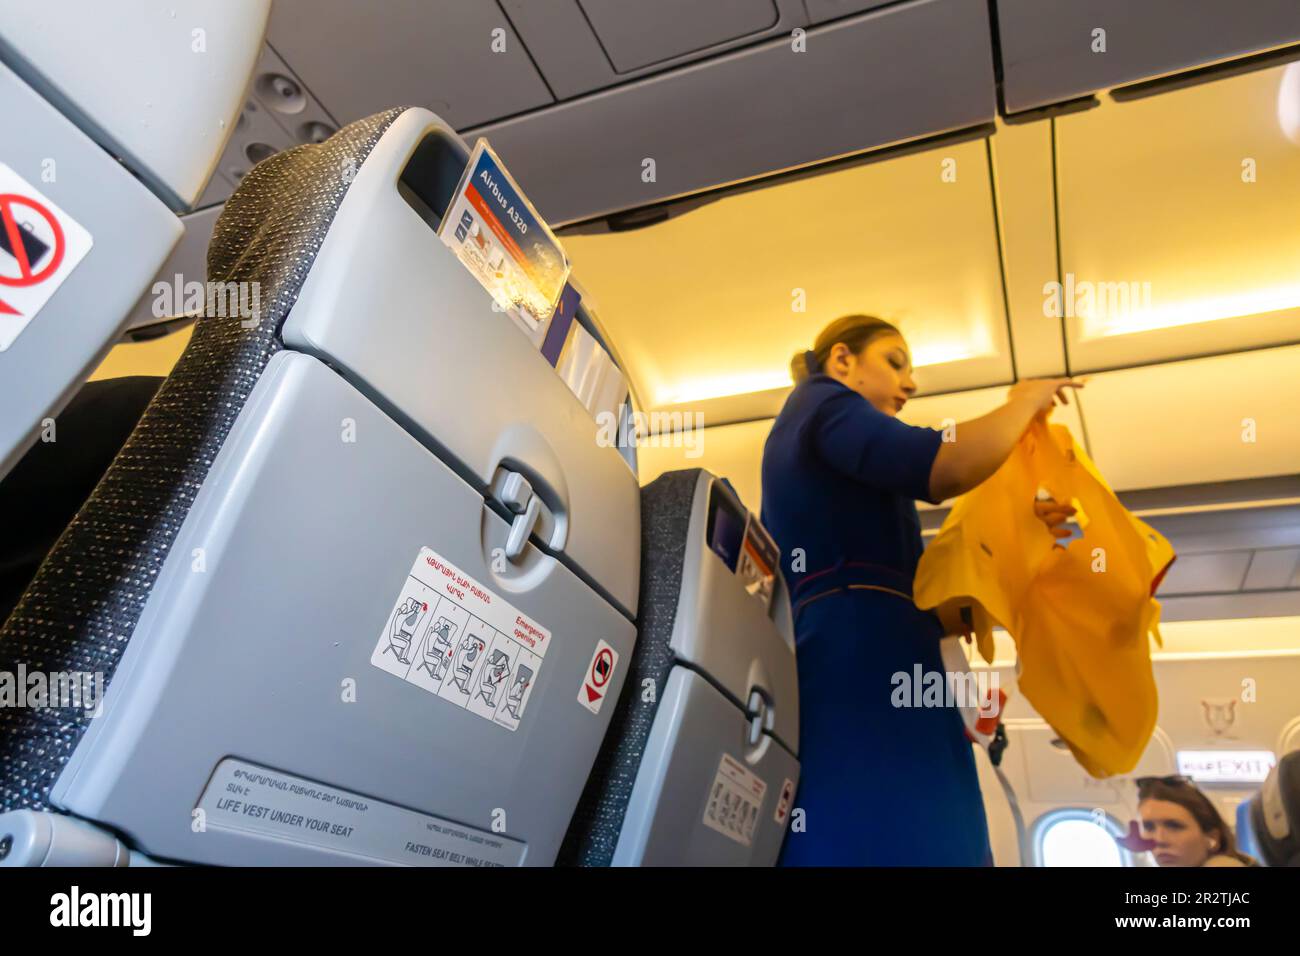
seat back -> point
(700, 763)
(1274, 815)
(320, 644)
(92, 192)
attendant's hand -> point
(1054, 514)
(1041, 394)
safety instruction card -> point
(499, 237)
(756, 566)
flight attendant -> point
(881, 784)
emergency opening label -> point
(451, 636)
(243, 796)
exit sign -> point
(1226, 766)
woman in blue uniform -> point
(881, 785)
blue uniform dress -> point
(882, 785)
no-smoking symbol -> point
(602, 667)
(40, 247)
(33, 258)
(592, 692)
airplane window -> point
(1075, 838)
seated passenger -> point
(49, 484)
(1186, 827)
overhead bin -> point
(863, 82)
(1052, 53)
(1218, 187)
(584, 45)
(1216, 419)
(460, 58)
(820, 11)
(924, 254)
(636, 34)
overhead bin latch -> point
(518, 497)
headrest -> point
(1275, 814)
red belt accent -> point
(850, 576)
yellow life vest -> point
(1079, 614)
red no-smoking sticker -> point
(596, 682)
(40, 245)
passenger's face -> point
(881, 373)
(1180, 841)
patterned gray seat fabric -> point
(80, 610)
(665, 520)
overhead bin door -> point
(636, 34)
(912, 244)
(581, 46)
(460, 58)
(849, 86)
(1217, 188)
(1055, 50)
(819, 11)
